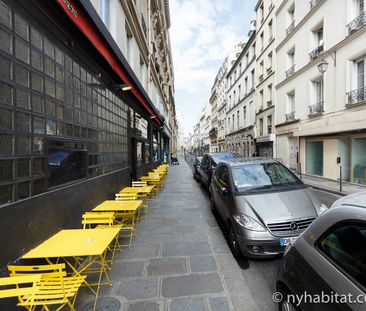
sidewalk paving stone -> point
(219, 304)
(139, 288)
(166, 266)
(202, 264)
(187, 304)
(186, 249)
(194, 284)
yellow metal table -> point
(76, 244)
(118, 206)
(127, 211)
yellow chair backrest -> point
(126, 197)
(139, 184)
(47, 271)
(17, 286)
(97, 218)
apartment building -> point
(320, 91)
(141, 30)
(218, 110)
(240, 112)
(265, 78)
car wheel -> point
(233, 242)
(286, 306)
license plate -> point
(287, 241)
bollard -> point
(300, 171)
(340, 178)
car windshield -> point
(262, 176)
(217, 158)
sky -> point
(202, 33)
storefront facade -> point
(69, 136)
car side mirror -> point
(225, 191)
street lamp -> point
(323, 66)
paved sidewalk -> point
(332, 185)
(179, 261)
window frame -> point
(330, 259)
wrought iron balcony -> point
(290, 71)
(316, 52)
(313, 3)
(290, 116)
(290, 28)
(213, 132)
(357, 24)
(356, 96)
(316, 108)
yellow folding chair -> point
(139, 184)
(102, 220)
(129, 220)
(53, 288)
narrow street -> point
(180, 260)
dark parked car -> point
(329, 257)
(196, 165)
(263, 204)
(209, 163)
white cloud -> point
(202, 35)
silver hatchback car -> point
(328, 260)
(263, 204)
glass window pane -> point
(37, 60)
(6, 170)
(23, 168)
(6, 144)
(38, 125)
(37, 82)
(21, 75)
(6, 94)
(22, 145)
(60, 95)
(37, 103)
(51, 127)
(36, 38)
(23, 99)
(23, 122)
(49, 67)
(49, 87)
(59, 56)
(5, 42)
(50, 108)
(21, 27)
(59, 74)
(49, 48)
(21, 50)
(5, 68)
(6, 119)
(22, 190)
(38, 186)
(5, 15)
(37, 146)
(346, 246)
(38, 167)
(6, 192)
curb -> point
(328, 190)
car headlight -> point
(249, 223)
(322, 208)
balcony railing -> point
(290, 71)
(313, 3)
(316, 52)
(290, 116)
(316, 108)
(356, 96)
(357, 24)
(212, 132)
(290, 28)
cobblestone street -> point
(180, 260)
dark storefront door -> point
(133, 159)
